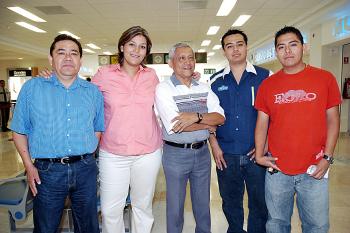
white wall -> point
(25, 63)
(345, 107)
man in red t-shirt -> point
(298, 112)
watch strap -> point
(329, 158)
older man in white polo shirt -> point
(189, 111)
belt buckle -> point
(194, 145)
(64, 160)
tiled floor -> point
(10, 165)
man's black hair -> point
(65, 37)
(233, 31)
(289, 29)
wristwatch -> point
(329, 159)
(200, 117)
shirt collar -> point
(77, 82)
(118, 67)
(249, 68)
(176, 82)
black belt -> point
(194, 145)
(65, 160)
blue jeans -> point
(181, 165)
(76, 180)
(241, 173)
(311, 199)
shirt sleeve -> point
(97, 79)
(99, 117)
(21, 121)
(166, 106)
(260, 103)
(334, 97)
(213, 103)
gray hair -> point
(175, 46)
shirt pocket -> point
(83, 117)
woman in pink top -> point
(130, 148)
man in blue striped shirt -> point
(233, 148)
(58, 122)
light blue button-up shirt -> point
(59, 121)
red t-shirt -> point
(296, 105)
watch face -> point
(330, 159)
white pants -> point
(116, 174)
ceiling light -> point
(201, 51)
(30, 27)
(69, 34)
(20, 58)
(216, 47)
(213, 30)
(241, 20)
(26, 14)
(89, 51)
(210, 54)
(226, 7)
(206, 42)
(107, 53)
(93, 46)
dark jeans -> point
(5, 114)
(76, 180)
(241, 172)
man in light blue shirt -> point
(58, 122)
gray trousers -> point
(181, 165)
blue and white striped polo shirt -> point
(173, 97)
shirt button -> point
(68, 135)
(237, 129)
(69, 150)
(237, 117)
(68, 119)
(68, 105)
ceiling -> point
(168, 21)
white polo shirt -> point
(173, 97)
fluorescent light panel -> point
(26, 14)
(206, 42)
(107, 53)
(226, 7)
(201, 51)
(216, 47)
(70, 34)
(88, 51)
(93, 46)
(213, 30)
(242, 19)
(30, 27)
(210, 54)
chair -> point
(17, 199)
